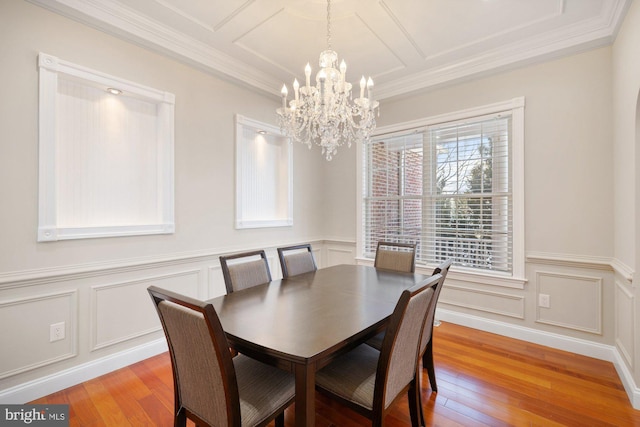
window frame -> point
(515, 279)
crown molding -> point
(589, 34)
(114, 18)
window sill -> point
(461, 274)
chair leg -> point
(427, 363)
(414, 403)
(180, 418)
(420, 409)
(280, 420)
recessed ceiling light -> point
(114, 91)
(262, 132)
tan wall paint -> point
(626, 135)
(568, 163)
(204, 146)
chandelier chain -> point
(329, 24)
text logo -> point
(34, 415)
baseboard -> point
(560, 342)
(44, 386)
(633, 391)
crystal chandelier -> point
(326, 113)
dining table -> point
(303, 322)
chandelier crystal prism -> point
(326, 114)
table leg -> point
(305, 395)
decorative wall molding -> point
(209, 259)
(130, 286)
(623, 270)
(478, 295)
(584, 262)
(67, 273)
(339, 255)
(83, 271)
(71, 348)
(625, 321)
(561, 317)
(570, 260)
(214, 271)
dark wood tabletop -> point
(302, 322)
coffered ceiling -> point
(405, 45)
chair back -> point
(442, 269)
(396, 256)
(205, 386)
(245, 270)
(296, 260)
(398, 362)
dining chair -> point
(370, 381)
(296, 260)
(245, 270)
(210, 387)
(426, 346)
(396, 256)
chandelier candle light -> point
(326, 113)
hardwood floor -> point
(483, 380)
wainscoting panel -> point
(575, 301)
(482, 300)
(25, 343)
(317, 255)
(215, 282)
(625, 319)
(339, 255)
(123, 311)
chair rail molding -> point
(623, 270)
(38, 276)
(582, 261)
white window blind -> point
(446, 187)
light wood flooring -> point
(483, 380)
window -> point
(453, 185)
(106, 155)
(263, 176)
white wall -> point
(568, 159)
(626, 135)
(98, 286)
(204, 146)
